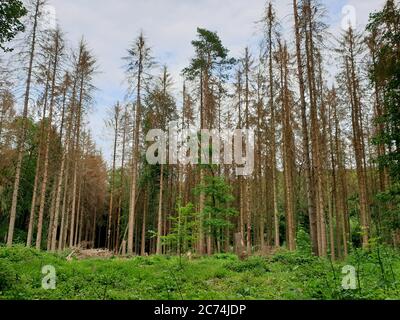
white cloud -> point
(110, 26)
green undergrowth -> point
(286, 275)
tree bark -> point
(22, 136)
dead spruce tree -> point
(139, 65)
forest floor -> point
(285, 275)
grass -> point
(288, 276)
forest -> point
(324, 191)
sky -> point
(109, 27)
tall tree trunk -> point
(288, 155)
(51, 218)
(143, 242)
(160, 216)
(202, 196)
(335, 203)
(110, 208)
(77, 154)
(271, 19)
(247, 211)
(64, 213)
(121, 192)
(47, 144)
(37, 174)
(305, 135)
(315, 131)
(132, 211)
(22, 136)
(359, 150)
(60, 178)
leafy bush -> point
(221, 274)
(7, 275)
(293, 258)
(225, 256)
(303, 241)
(286, 275)
(253, 263)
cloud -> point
(170, 25)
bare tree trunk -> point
(39, 159)
(81, 222)
(324, 144)
(135, 157)
(77, 156)
(248, 216)
(78, 215)
(271, 19)
(202, 196)
(22, 136)
(94, 228)
(143, 242)
(160, 207)
(131, 223)
(47, 144)
(121, 192)
(51, 218)
(64, 214)
(61, 174)
(305, 135)
(110, 210)
(315, 129)
(336, 207)
(36, 181)
(246, 67)
(343, 188)
(288, 156)
(358, 138)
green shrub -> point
(19, 253)
(303, 242)
(225, 256)
(293, 258)
(7, 276)
(253, 263)
(286, 275)
(221, 274)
